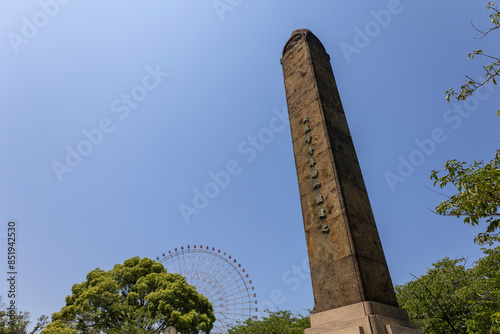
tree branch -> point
(445, 315)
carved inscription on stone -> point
(316, 185)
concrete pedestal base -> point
(363, 318)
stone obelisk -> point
(353, 291)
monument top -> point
(299, 34)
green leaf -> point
(477, 194)
(133, 298)
(454, 298)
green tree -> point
(478, 185)
(17, 322)
(136, 297)
(454, 299)
(478, 195)
(279, 322)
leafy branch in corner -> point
(491, 70)
(478, 194)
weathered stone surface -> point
(345, 254)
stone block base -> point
(363, 318)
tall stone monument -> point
(353, 291)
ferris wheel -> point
(220, 278)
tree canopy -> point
(452, 298)
(279, 322)
(136, 297)
(478, 184)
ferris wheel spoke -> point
(201, 267)
(193, 264)
(224, 277)
(229, 281)
(183, 264)
(171, 261)
(213, 282)
(222, 274)
(218, 278)
(206, 284)
(239, 295)
(244, 300)
(220, 267)
(212, 264)
(176, 270)
(234, 306)
(179, 263)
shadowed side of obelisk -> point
(345, 254)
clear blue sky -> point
(176, 89)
